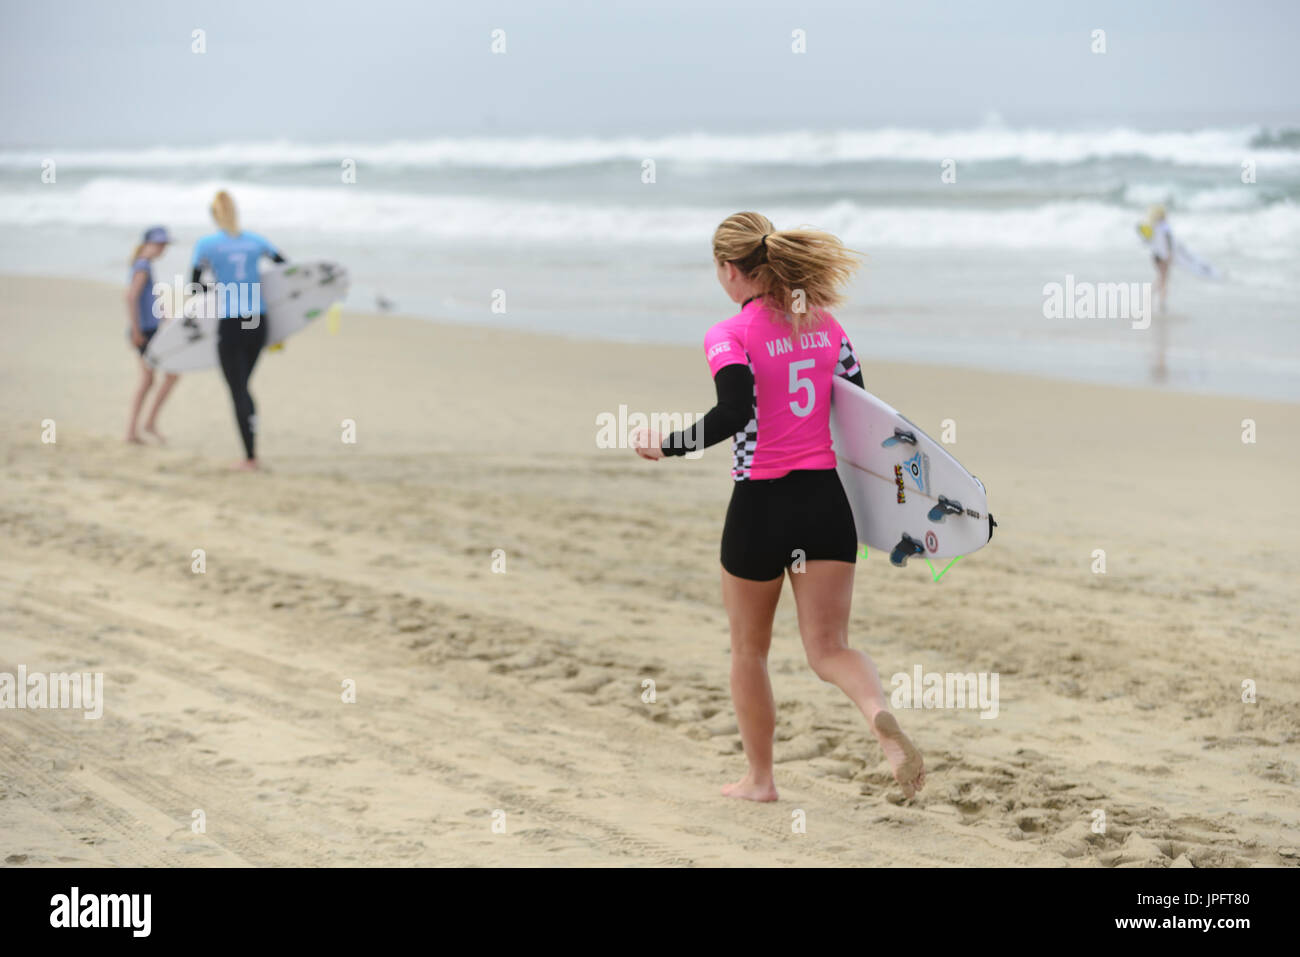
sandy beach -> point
(521, 692)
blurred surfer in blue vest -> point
(231, 256)
(144, 312)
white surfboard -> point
(1184, 258)
(292, 295)
(908, 494)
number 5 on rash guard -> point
(789, 425)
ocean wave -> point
(1206, 147)
(1284, 138)
(1179, 197)
(398, 218)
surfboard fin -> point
(905, 549)
(946, 506)
(900, 435)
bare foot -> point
(749, 790)
(245, 465)
(151, 430)
(908, 765)
(135, 440)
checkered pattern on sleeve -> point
(744, 443)
(848, 363)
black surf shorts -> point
(773, 522)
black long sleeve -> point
(735, 388)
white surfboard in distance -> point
(908, 494)
(1184, 258)
(292, 295)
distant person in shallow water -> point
(1162, 254)
(1162, 250)
(144, 312)
(232, 255)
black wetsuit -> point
(239, 343)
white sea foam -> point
(1183, 197)
(399, 217)
(1206, 147)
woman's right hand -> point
(646, 444)
(137, 338)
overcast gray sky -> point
(83, 73)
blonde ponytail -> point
(224, 214)
(799, 272)
(135, 256)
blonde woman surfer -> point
(232, 255)
(772, 366)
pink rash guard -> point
(790, 427)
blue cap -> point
(156, 234)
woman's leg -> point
(823, 592)
(751, 606)
(252, 340)
(236, 368)
(164, 390)
(137, 400)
